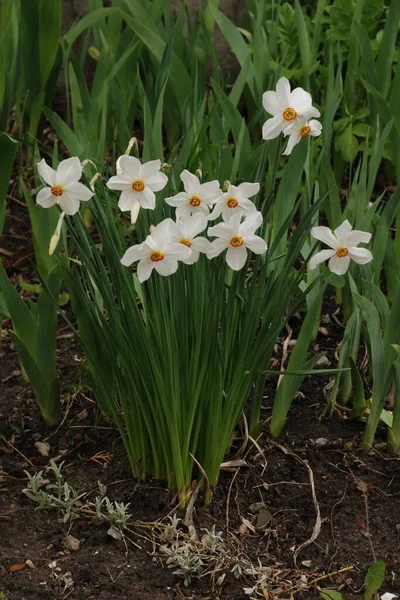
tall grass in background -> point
(157, 77)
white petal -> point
(324, 234)
(184, 211)
(167, 266)
(178, 199)
(150, 169)
(249, 189)
(146, 198)
(251, 223)
(193, 258)
(271, 103)
(294, 139)
(130, 166)
(300, 100)
(310, 112)
(316, 128)
(320, 257)
(69, 203)
(144, 269)
(69, 171)
(157, 182)
(339, 265)
(45, 198)
(388, 596)
(222, 230)
(127, 199)
(177, 251)
(119, 183)
(80, 190)
(255, 243)
(273, 127)
(283, 92)
(356, 237)
(134, 253)
(200, 244)
(135, 212)
(236, 257)
(218, 208)
(163, 233)
(361, 256)
(190, 182)
(218, 246)
(47, 173)
(342, 232)
(209, 192)
(195, 225)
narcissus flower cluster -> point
(183, 239)
(292, 114)
(171, 242)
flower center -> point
(341, 252)
(156, 256)
(186, 242)
(57, 190)
(232, 203)
(305, 130)
(237, 241)
(138, 185)
(289, 114)
(195, 201)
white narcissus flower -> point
(196, 197)
(235, 200)
(157, 252)
(137, 183)
(185, 232)
(343, 242)
(299, 129)
(64, 187)
(285, 106)
(237, 237)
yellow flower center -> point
(156, 256)
(289, 114)
(186, 242)
(57, 190)
(237, 241)
(305, 130)
(341, 252)
(195, 201)
(138, 185)
(232, 203)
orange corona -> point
(57, 190)
(232, 203)
(156, 256)
(237, 241)
(289, 114)
(186, 242)
(341, 252)
(195, 201)
(138, 185)
(305, 130)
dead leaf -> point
(83, 415)
(71, 543)
(248, 525)
(43, 448)
(15, 568)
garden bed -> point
(348, 482)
